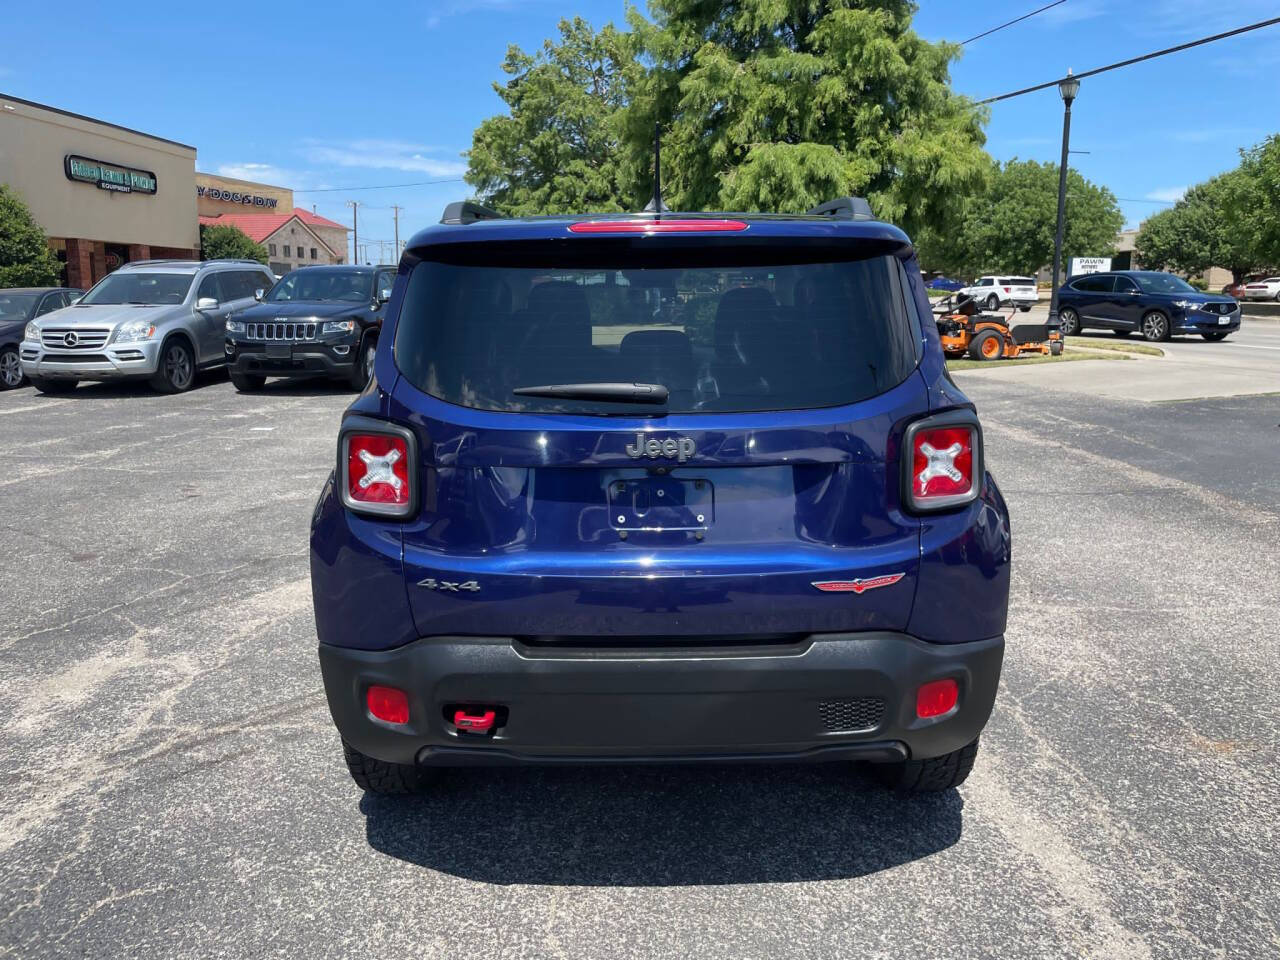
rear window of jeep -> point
(721, 333)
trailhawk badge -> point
(679, 449)
(857, 586)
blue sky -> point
(333, 95)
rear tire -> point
(986, 345)
(1055, 348)
(932, 775)
(247, 382)
(53, 386)
(993, 302)
(1215, 336)
(379, 776)
(1069, 322)
(11, 374)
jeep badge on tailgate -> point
(682, 448)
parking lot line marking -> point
(262, 428)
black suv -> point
(315, 320)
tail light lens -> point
(942, 462)
(377, 467)
(936, 698)
(388, 704)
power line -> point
(1025, 16)
(1146, 56)
(381, 186)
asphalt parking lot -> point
(174, 787)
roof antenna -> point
(656, 205)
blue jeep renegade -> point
(660, 487)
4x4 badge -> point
(681, 448)
(449, 586)
(857, 586)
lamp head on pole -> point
(1068, 87)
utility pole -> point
(1068, 87)
(395, 213)
(355, 228)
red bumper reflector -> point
(388, 704)
(936, 698)
(658, 226)
(478, 722)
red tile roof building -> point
(296, 239)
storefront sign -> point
(1081, 265)
(214, 193)
(108, 176)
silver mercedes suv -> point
(159, 320)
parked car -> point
(315, 320)
(1156, 305)
(1234, 290)
(943, 283)
(573, 520)
(158, 320)
(1267, 289)
(993, 292)
(19, 306)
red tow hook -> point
(479, 722)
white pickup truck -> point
(994, 292)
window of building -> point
(286, 250)
(313, 253)
(271, 249)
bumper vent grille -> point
(1223, 309)
(280, 331)
(864, 713)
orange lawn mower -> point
(966, 329)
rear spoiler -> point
(844, 208)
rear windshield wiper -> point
(616, 392)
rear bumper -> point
(828, 696)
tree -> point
(1009, 227)
(223, 241)
(25, 257)
(1204, 230)
(777, 105)
(556, 151)
(1254, 198)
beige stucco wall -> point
(301, 240)
(33, 142)
(337, 239)
(208, 206)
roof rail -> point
(844, 208)
(143, 263)
(464, 211)
(256, 263)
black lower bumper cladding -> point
(663, 704)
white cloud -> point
(1166, 194)
(384, 155)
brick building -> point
(104, 194)
(296, 238)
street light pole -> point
(1068, 87)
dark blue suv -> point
(1157, 305)
(660, 487)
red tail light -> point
(943, 461)
(388, 703)
(936, 698)
(658, 226)
(377, 469)
(1005, 289)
